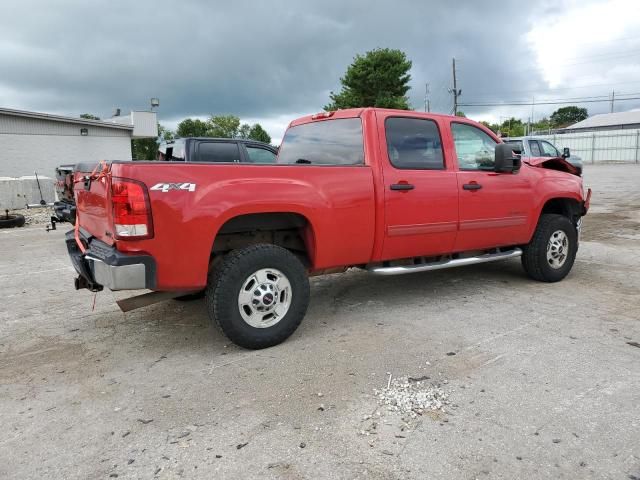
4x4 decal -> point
(165, 187)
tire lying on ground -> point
(258, 295)
(9, 221)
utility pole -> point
(427, 102)
(455, 91)
(613, 97)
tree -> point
(147, 148)
(258, 133)
(224, 126)
(89, 116)
(379, 78)
(192, 128)
(568, 115)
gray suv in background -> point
(537, 147)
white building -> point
(39, 142)
(606, 121)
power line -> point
(560, 102)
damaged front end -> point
(554, 163)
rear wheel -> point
(258, 295)
(550, 255)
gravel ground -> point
(35, 216)
(542, 380)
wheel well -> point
(288, 230)
(568, 207)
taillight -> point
(131, 209)
(318, 116)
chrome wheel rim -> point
(264, 298)
(557, 249)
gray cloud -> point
(254, 59)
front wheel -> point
(258, 295)
(552, 250)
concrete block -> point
(20, 191)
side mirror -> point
(566, 153)
(505, 160)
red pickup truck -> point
(384, 190)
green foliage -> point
(147, 148)
(190, 127)
(379, 78)
(567, 116)
(258, 133)
(224, 126)
(89, 116)
(460, 114)
(221, 126)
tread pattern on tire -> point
(537, 249)
(214, 297)
(16, 220)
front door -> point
(421, 197)
(494, 207)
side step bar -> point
(441, 264)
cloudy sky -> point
(271, 61)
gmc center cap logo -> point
(165, 187)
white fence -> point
(602, 146)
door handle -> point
(401, 186)
(471, 186)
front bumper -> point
(103, 266)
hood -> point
(552, 163)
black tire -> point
(229, 276)
(190, 297)
(9, 221)
(534, 255)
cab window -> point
(475, 149)
(414, 144)
(535, 148)
(260, 155)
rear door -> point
(494, 207)
(420, 188)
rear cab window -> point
(327, 142)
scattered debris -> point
(634, 344)
(387, 452)
(126, 433)
(412, 397)
(241, 445)
(556, 440)
(302, 445)
(145, 421)
(450, 354)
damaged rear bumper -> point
(102, 266)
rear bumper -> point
(103, 266)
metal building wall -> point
(28, 145)
(601, 146)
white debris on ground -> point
(413, 397)
(34, 216)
